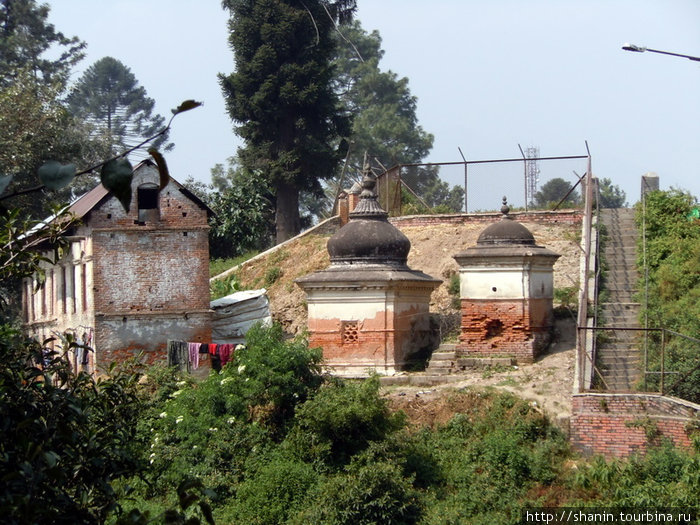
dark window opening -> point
(494, 328)
(147, 197)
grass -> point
(217, 266)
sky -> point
(490, 76)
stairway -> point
(618, 352)
(442, 361)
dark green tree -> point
(281, 96)
(25, 35)
(109, 97)
(35, 127)
(385, 124)
(243, 214)
(553, 191)
(611, 196)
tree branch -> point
(94, 167)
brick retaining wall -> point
(553, 217)
(619, 425)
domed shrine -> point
(368, 310)
(506, 292)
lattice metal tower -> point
(532, 173)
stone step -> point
(443, 356)
(619, 358)
(620, 319)
(483, 362)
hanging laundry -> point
(178, 355)
(225, 353)
(193, 350)
(216, 362)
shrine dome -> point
(369, 238)
(506, 232)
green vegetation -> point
(673, 301)
(272, 274)
(218, 266)
(271, 440)
(281, 97)
(553, 191)
(108, 96)
(274, 441)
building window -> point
(52, 294)
(147, 197)
(64, 290)
(349, 331)
(83, 285)
(73, 297)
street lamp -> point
(642, 49)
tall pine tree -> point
(281, 96)
(109, 97)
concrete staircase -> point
(444, 361)
(618, 351)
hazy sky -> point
(488, 75)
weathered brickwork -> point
(519, 328)
(546, 217)
(151, 270)
(379, 335)
(619, 425)
(132, 279)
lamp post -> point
(642, 49)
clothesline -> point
(187, 354)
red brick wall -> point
(119, 338)
(151, 270)
(383, 342)
(619, 425)
(517, 328)
(151, 279)
(553, 217)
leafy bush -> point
(665, 477)
(673, 299)
(64, 439)
(273, 494)
(217, 430)
(364, 494)
(340, 421)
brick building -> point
(130, 280)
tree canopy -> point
(25, 35)
(610, 195)
(243, 217)
(385, 124)
(281, 97)
(553, 191)
(110, 98)
(35, 127)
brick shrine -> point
(368, 310)
(506, 293)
